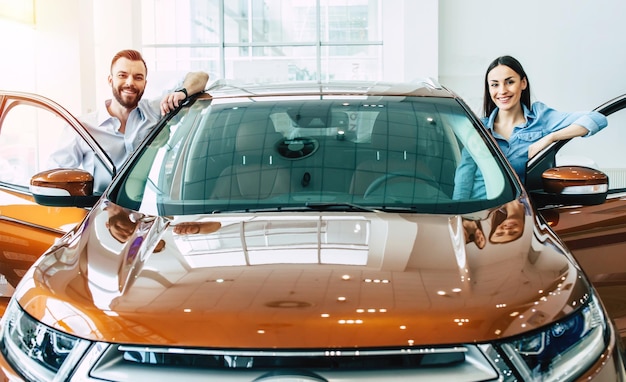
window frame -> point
(321, 45)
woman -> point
(507, 223)
(521, 128)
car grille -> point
(131, 363)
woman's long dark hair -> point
(488, 104)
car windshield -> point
(312, 153)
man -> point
(126, 119)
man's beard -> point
(127, 104)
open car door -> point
(30, 129)
(592, 222)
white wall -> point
(411, 39)
(572, 50)
(46, 58)
(116, 26)
(67, 55)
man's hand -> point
(171, 101)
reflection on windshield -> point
(401, 153)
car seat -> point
(257, 171)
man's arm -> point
(194, 82)
(68, 152)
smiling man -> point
(122, 122)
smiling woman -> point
(521, 128)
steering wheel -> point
(376, 183)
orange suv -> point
(310, 232)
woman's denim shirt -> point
(540, 121)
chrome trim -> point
(32, 225)
(304, 353)
(91, 357)
(105, 362)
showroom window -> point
(265, 40)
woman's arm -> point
(563, 125)
(570, 131)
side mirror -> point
(574, 185)
(63, 187)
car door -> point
(30, 127)
(596, 234)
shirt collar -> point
(529, 115)
(103, 117)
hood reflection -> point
(321, 265)
(507, 225)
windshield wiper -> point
(335, 206)
(340, 206)
(344, 206)
(322, 206)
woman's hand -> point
(541, 144)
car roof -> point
(418, 88)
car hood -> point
(301, 280)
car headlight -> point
(36, 351)
(559, 352)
